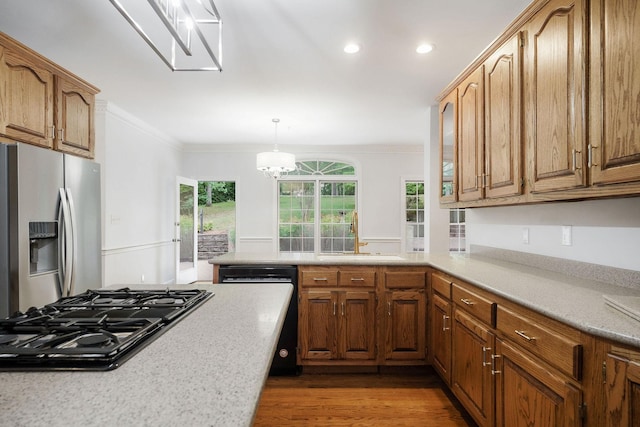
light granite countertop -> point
(206, 370)
(575, 301)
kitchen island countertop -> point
(206, 370)
(575, 301)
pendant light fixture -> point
(275, 163)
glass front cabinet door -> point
(448, 138)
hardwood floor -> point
(359, 400)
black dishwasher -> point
(284, 359)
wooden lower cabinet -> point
(441, 337)
(405, 325)
(622, 390)
(530, 394)
(471, 380)
(337, 325)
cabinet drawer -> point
(356, 278)
(541, 340)
(320, 277)
(481, 307)
(441, 285)
(405, 279)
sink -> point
(363, 257)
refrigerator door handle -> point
(65, 245)
(74, 243)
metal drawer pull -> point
(484, 357)
(320, 279)
(444, 323)
(334, 308)
(467, 301)
(521, 334)
(493, 364)
(357, 279)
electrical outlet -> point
(525, 236)
(566, 235)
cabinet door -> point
(623, 392)
(318, 325)
(441, 337)
(26, 100)
(502, 121)
(405, 325)
(615, 90)
(554, 96)
(448, 142)
(357, 325)
(528, 393)
(471, 379)
(471, 137)
(75, 119)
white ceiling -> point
(281, 58)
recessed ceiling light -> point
(352, 48)
(424, 48)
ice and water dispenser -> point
(43, 247)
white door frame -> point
(186, 274)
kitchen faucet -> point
(354, 230)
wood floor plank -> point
(359, 400)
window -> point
(414, 216)
(457, 241)
(317, 201)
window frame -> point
(317, 179)
(403, 213)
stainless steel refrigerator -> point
(50, 226)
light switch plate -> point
(566, 235)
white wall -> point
(381, 170)
(437, 235)
(605, 232)
(139, 169)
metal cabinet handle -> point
(320, 279)
(53, 132)
(590, 162)
(467, 301)
(484, 356)
(493, 364)
(523, 335)
(334, 308)
(62, 134)
(389, 308)
(444, 323)
(574, 155)
(357, 279)
(342, 308)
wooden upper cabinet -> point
(75, 117)
(502, 104)
(26, 100)
(614, 91)
(471, 136)
(44, 104)
(448, 118)
(554, 99)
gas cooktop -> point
(95, 330)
